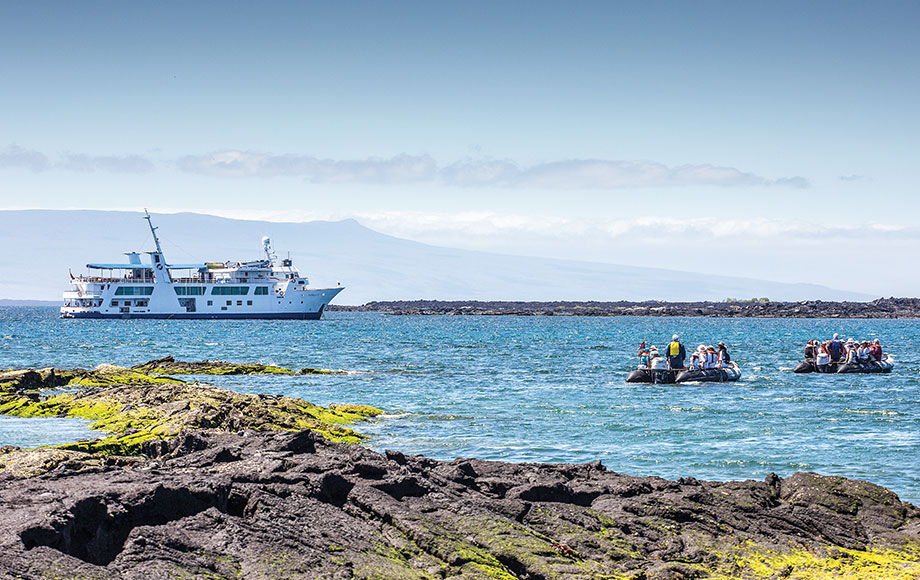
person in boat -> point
(676, 353)
(852, 354)
(724, 359)
(822, 357)
(696, 359)
(875, 351)
(835, 348)
(652, 355)
(712, 357)
(810, 350)
(863, 352)
(847, 347)
(643, 357)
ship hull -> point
(195, 316)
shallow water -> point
(549, 389)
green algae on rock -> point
(169, 365)
(133, 414)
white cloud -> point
(106, 163)
(404, 168)
(15, 156)
(398, 169)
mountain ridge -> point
(42, 245)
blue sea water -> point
(546, 389)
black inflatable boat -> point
(883, 366)
(663, 376)
(717, 375)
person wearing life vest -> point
(676, 353)
(643, 356)
(696, 360)
(835, 349)
(724, 359)
(653, 356)
(876, 350)
(852, 354)
(822, 358)
(712, 357)
(810, 350)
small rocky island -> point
(193, 481)
(754, 308)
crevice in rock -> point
(95, 530)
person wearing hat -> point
(875, 351)
(724, 359)
(852, 353)
(810, 350)
(653, 356)
(643, 356)
(676, 353)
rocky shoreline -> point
(880, 308)
(200, 482)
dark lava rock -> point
(294, 505)
(880, 308)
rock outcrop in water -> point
(881, 308)
(170, 366)
(223, 489)
(138, 416)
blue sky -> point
(775, 140)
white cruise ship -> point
(268, 288)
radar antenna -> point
(269, 251)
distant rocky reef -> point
(757, 308)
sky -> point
(775, 140)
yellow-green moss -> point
(754, 563)
(360, 410)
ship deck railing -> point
(130, 280)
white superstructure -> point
(258, 289)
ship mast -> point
(159, 261)
(153, 231)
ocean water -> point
(539, 389)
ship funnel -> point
(133, 258)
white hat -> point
(701, 347)
(836, 335)
(675, 337)
(655, 348)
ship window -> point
(210, 303)
(229, 302)
(134, 291)
(114, 302)
(239, 302)
(261, 291)
(223, 307)
(189, 290)
(230, 290)
(301, 282)
(249, 303)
